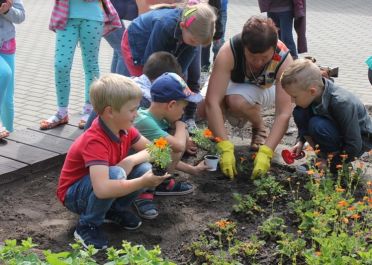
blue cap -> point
(170, 86)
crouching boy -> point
(99, 180)
(327, 116)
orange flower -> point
(343, 156)
(369, 183)
(343, 203)
(318, 253)
(310, 172)
(360, 203)
(355, 216)
(222, 223)
(351, 208)
(369, 200)
(161, 143)
(345, 220)
(207, 133)
(369, 191)
(338, 166)
(254, 156)
(340, 189)
(218, 139)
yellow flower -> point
(161, 143)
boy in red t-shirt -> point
(99, 180)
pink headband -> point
(189, 21)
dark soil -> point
(30, 209)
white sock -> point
(62, 112)
(87, 108)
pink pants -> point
(134, 70)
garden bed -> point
(210, 225)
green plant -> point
(160, 152)
(204, 139)
(245, 204)
(269, 187)
(272, 227)
(290, 247)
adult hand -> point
(4, 7)
(227, 161)
(262, 161)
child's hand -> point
(191, 147)
(6, 6)
(297, 148)
(199, 168)
(152, 181)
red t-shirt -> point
(97, 146)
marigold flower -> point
(351, 208)
(161, 143)
(318, 164)
(355, 216)
(369, 200)
(365, 198)
(369, 183)
(343, 156)
(338, 166)
(360, 203)
(369, 191)
(343, 203)
(218, 139)
(340, 189)
(318, 253)
(310, 172)
(222, 223)
(254, 156)
(345, 220)
(207, 133)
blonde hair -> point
(113, 90)
(199, 19)
(302, 74)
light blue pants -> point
(7, 90)
(88, 33)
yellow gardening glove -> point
(227, 161)
(262, 161)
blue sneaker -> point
(125, 219)
(171, 187)
(90, 234)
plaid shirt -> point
(59, 16)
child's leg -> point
(325, 133)
(81, 199)
(7, 90)
(90, 39)
(91, 118)
(217, 44)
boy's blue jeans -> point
(323, 131)
(81, 199)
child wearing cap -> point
(99, 179)
(170, 95)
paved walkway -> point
(339, 34)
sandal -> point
(145, 206)
(259, 136)
(171, 187)
(3, 134)
(83, 120)
(53, 122)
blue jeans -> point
(7, 90)
(91, 118)
(284, 21)
(217, 44)
(323, 131)
(81, 199)
(193, 82)
(114, 39)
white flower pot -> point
(212, 162)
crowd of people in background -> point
(153, 92)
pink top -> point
(9, 46)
